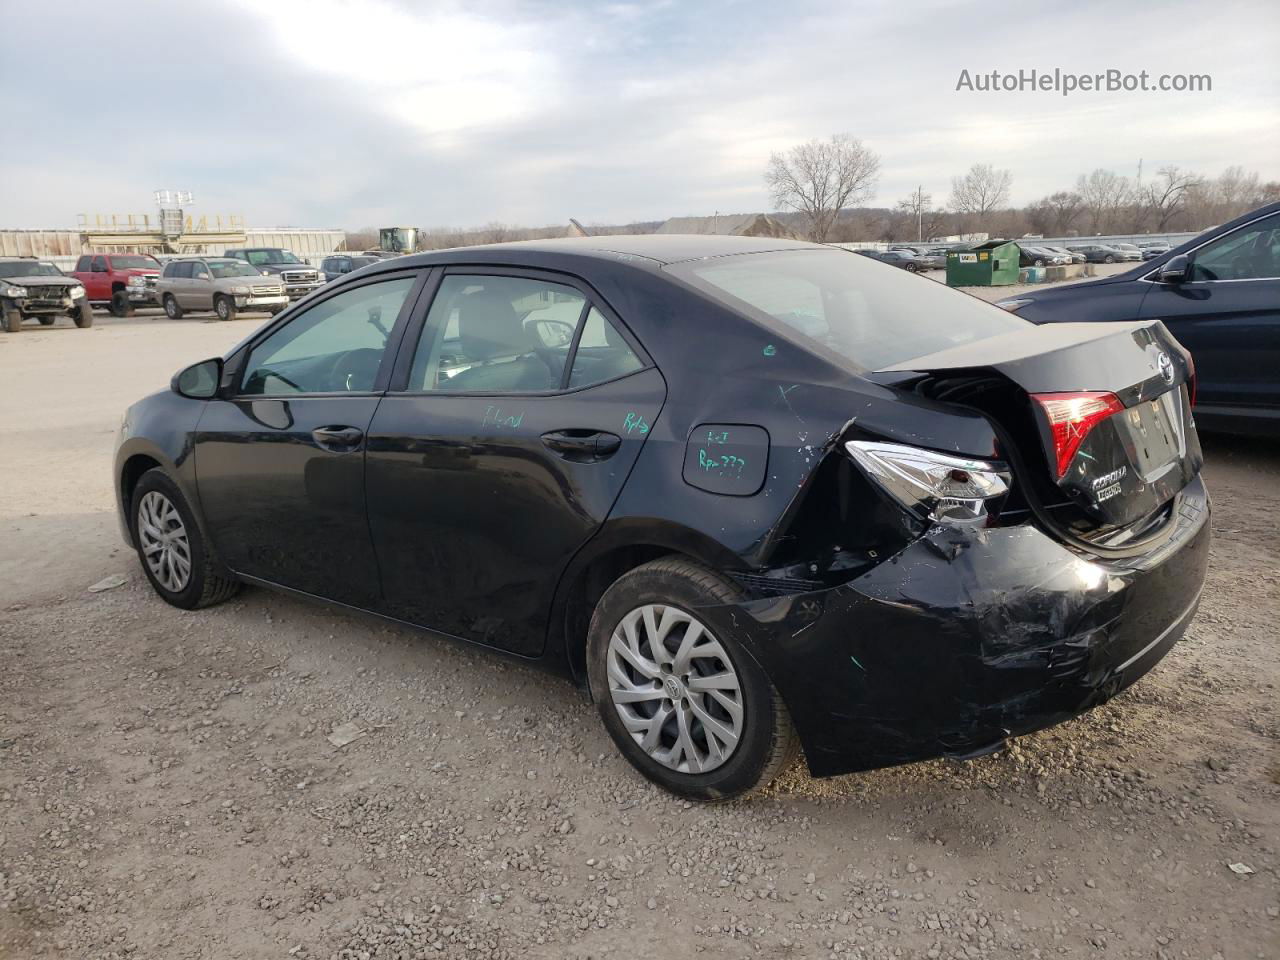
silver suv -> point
(220, 284)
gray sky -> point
(335, 113)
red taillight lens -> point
(1071, 417)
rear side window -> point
(496, 335)
(603, 353)
(848, 309)
(177, 269)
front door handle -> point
(337, 438)
(582, 446)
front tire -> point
(224, 308)
(1108, 259)
(171, 308)
(120, 305)
(688, 707)
(12, 321)
(171, 547)
(84, 316)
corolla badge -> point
(1165, 365)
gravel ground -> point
(168, 789)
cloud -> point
(328, 112)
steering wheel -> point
(341, 377)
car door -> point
(280, 465)
(515, 415)
(197, 292)
(1227, 313)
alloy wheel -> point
(165, 545)
(675, 688)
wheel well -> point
(117, 286)
(133, 470)
(589, 586)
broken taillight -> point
(1071, 417)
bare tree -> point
(916, 206)
(822, 177)
(1103, 194)
(366, 238)
(980, 191)
(1165, 198)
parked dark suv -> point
(340, 264)
(298, 276)
(1219, 294)
(752, 494)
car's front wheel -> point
(12, 321)
(1108, 259)
(120, 304)
(686, 705)
(172, 550)
(224, 308)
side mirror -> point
(1175, 271)
(200, 381)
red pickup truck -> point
(118, 281)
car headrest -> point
(488, 325)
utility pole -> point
(919, 213)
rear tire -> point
(224, 307)
(171, 308)
(748, 708)
(171, 547)
(120, 305)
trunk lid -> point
(1139, 448)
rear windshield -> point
(870, 314)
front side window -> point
(335, 346)
(496, 335)
(99, 264)
(199, 271)
(849, 311)
(1250, 253)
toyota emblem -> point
(1165, 365)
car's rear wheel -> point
(171, 308)
(120, 305)
(224, 308)
(686, 705)
(172, 550)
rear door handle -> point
(582, 446)
(337, 438)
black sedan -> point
(750, 494)
(1219, 294)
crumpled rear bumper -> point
(969, 636)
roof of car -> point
(658, 248)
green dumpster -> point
(989, 264)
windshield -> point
(865, 313)
(259, 257)
(28, 268)
(135, 263)
(231, 268)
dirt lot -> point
(167, 789)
